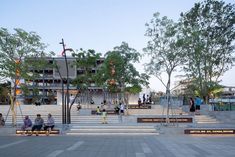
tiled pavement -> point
(118, 146)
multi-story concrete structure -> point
(49, 83)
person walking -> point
(198, 102)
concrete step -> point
(205, 119)
(112, 130)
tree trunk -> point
(168, 96)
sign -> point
(163, 120)
(209, 131)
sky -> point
(94, 24)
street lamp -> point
(66, 118)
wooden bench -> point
(210, 131)
(163, 120)
(139, 107)
(40, 132)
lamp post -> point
(66, 118)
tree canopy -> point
(86, 61)
(208, 35)
(118, 72)
(18, 52)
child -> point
(98, 110)
(104, 117)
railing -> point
(223, 104)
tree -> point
(4, 90)
(118, 73)
(86, 61)
(164, 50)
(16, 53)
(208, 35)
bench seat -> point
(208, 131)
(109, 112)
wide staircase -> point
(82, 122)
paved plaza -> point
(118, 146)
(125, 138)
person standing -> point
(50, 124)
(192, 106)
(122, 108)
(144, 99)
(104, 117)
(150, 99)
(2, 121)
(147, 100)
(139, 102)
(198, 102)
(98, 110)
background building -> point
(46, 87)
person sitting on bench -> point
(38, 123)
(27, 123)
(49, 125)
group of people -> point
(118, 109)
(146, 100)
(195, 105)
(39, 124)
(103, 114)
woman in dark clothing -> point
(192, 106)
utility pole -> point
(66, 110)
(64, 106)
